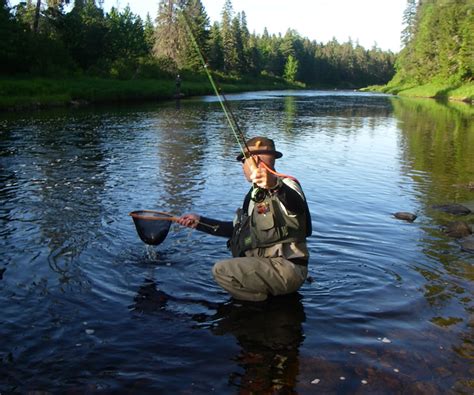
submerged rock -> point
(469, 185)
(2, 270)
(467, 244)
(457, 229)
(406, 216)
(453, 208)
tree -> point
(216, 54)
(409, 20)
(291, 69)
(196, 22)
(149, 32)
(167, 32)
(228, 38)
(438, 43)
(83, 32)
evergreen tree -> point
(238, 65)
(439, 45)
(125, 42)
(228, 38)
(196, 19)
(216, 54)
(168, 32)
(409, 20)
(254, 56)
(245, 38)
(149, 32)
(83, 32)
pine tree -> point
(168, 34)
(149, 32)
(196, 22)
(216, 54)
(228, 38)
(245, 38)
(409, 20)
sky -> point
(367, 21)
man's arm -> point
(207, 225)
(215, 227)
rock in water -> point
(457, 229)
(467, 244)
(455, 209)
(405, 216)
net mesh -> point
(152, 226)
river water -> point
(87, 307)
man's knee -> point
(219, 269)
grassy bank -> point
(464, 92)
(23, 93)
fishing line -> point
(258, 194)
(238, 134)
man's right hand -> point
(189, 220)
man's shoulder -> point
(293, 185)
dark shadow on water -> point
(269, 334)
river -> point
(87, 307)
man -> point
(268, 234)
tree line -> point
(55, 38)
(438, 43)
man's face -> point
(248, 164)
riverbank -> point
(17, 94)
(462, 93)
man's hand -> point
(189, 220)
(263, 178)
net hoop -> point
(152, 215)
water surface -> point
(87, 307)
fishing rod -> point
(258, 194)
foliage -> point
(438, 43)
(43, 39)
(291, 68)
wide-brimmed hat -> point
(261, 146)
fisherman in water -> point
(268, 235)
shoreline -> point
(22, 94)
(463, 93)
(30, 94)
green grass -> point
(17, 93)
(434, 90)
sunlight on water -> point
(88, 307)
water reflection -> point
(269, 334)
(437, 141)
(181, 157)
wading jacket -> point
(276, 226)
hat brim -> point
(276, 154)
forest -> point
(56, 38)
(62, 50)
(437, 58)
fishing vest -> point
(265, 224)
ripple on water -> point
(86, 304)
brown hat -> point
(261, 145)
